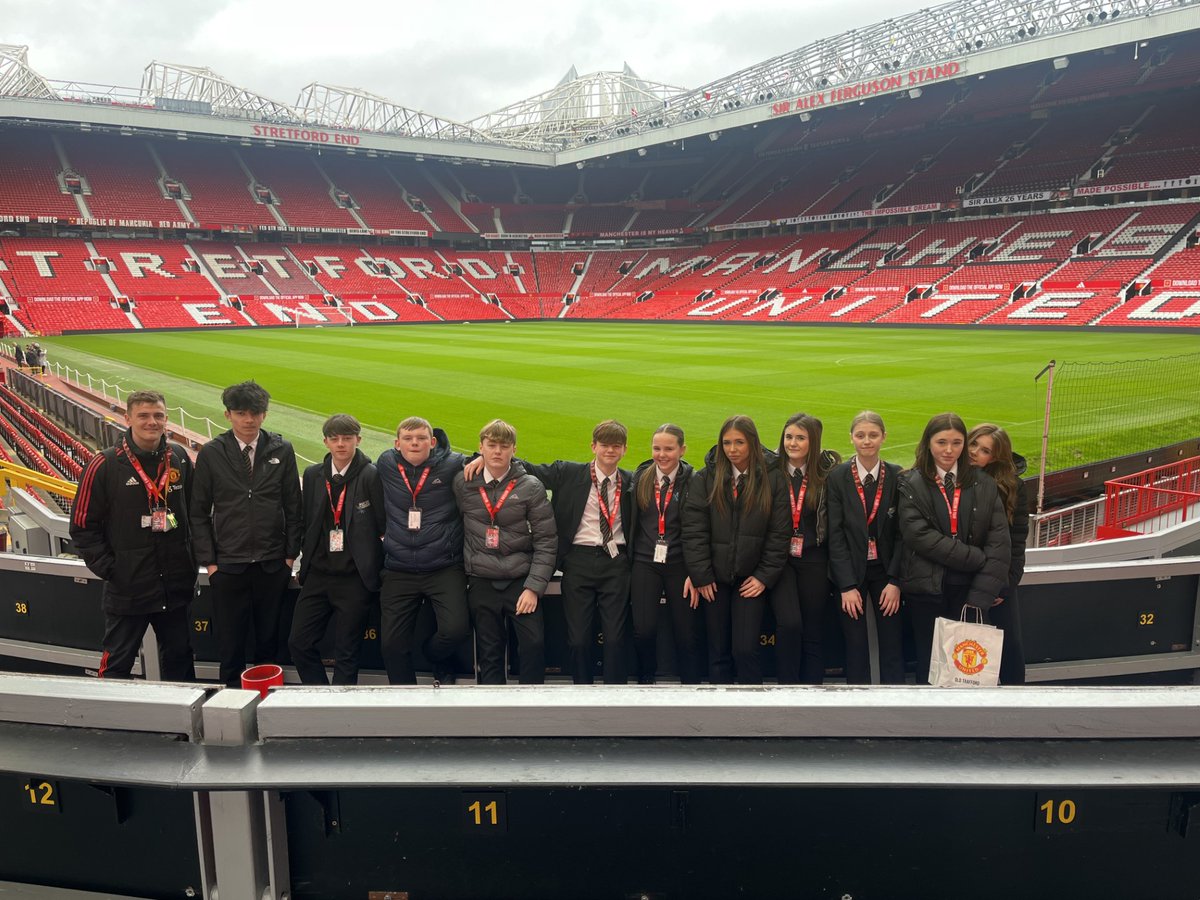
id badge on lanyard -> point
(161, 519)
(796, 548)
(414, 513)
(491, 538)
(660, 546)
(337, 540)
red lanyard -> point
(798, 502)
(610, 515)
(156, 491)
(420, 483)
(499, 503)
(863, 496)
(660, 506)
(952, 507)
(336, 510)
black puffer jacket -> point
(438, 543)
(982, 551)
(144, 571)
(528, 538)
(1018, 531)
(742, 543)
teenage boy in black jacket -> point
(593, 511)
(130, 524)
(246, 519)
(343, 554)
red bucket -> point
(262, 678)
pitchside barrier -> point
(148, 790)
(1114, 608)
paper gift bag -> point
(965, 653)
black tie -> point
(248, 461)
(949, 482)
(605, 528)
(737, 488)
(338, 478)
(869, 481)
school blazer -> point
(570, 483)
(848, 527)
(362, 518)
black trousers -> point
(400, 601)
(492, 609)
(594, 582)
(346, 600)
(1007, 616)
(923, 609)
(798, 601)
(888, 632)
(734, 628)
(123, 638)
(649, 582)
(254, 595)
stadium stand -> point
(558, 186)
(420, 183)
(381, 201)
(302, 193)
(54, 268)
(219, 187)
(30, 170)
(143, 268)
(50, 316)
(123, 177)
(1054, 193)
(533, 219)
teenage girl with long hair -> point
(865, 551)
(955, 532)
(990, 448)
(734, 546)
(800, 597)
(660, 487)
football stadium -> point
(986, 206)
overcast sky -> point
(458, 59)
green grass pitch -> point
(555, 380)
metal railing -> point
(113, 391)
(1165, 495)
(177, 415)
(1070, 525)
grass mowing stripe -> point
(555, 380)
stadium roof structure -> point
(17, 79)
(354, 108)
(576, 106)
(877, 54)
(194, 84)
(586, 117)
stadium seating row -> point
(869, 274)
(1108, 118)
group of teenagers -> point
(478, 537)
